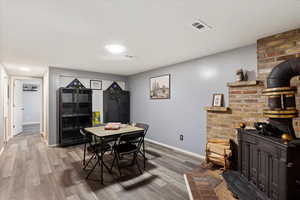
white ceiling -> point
(73, 33)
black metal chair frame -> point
(136, 139)
(143, 151)
(85, 147)
(98, 146)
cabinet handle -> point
(290, 164)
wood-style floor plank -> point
(32, 171)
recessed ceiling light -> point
(25, 69)
(115, 48)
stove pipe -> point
(281, 96)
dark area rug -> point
(207, 183)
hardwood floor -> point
(30, 170)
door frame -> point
(11, 109)
(5, 106)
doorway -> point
(27, 106)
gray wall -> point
(192, 86)
(54, 77)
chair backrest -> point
(93, 139)
(88, 137)
(134, 138)
(82, 132)
(143, 126)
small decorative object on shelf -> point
(286, 138)
(241, 75)
(242, 125)
(218, 100)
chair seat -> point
(125, 147)
(98, 148)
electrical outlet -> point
(181, 137)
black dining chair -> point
(129, 143)
(87, 140)
(143, 151)
(97, 147)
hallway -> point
(30, 170)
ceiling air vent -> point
(200, 26)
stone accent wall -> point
(245, 105)
(219, 125)
(275, 49)
(246, 102)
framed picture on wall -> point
(160, 87)
(218, 100)
(96, 85)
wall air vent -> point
(200, 26)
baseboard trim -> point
(1, 151)
(31, 123)
(176, 149)
(53, 145)
(188, 187)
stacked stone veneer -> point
(246, 102)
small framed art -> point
(218, 100)
(160, 87)
(96, 84)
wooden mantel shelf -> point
(244, 83)
(216, 109)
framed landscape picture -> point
(160, 87)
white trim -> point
(176, 149)
(30, 123)
(1, 151)
(53, 145)
(188, 187)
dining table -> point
(102, 133)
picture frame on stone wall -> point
(218, 100)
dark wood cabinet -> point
(75, 112)
(116, 104)
(271, 166)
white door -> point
(18, 107)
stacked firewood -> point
(218, 151)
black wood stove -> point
(268, 166)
